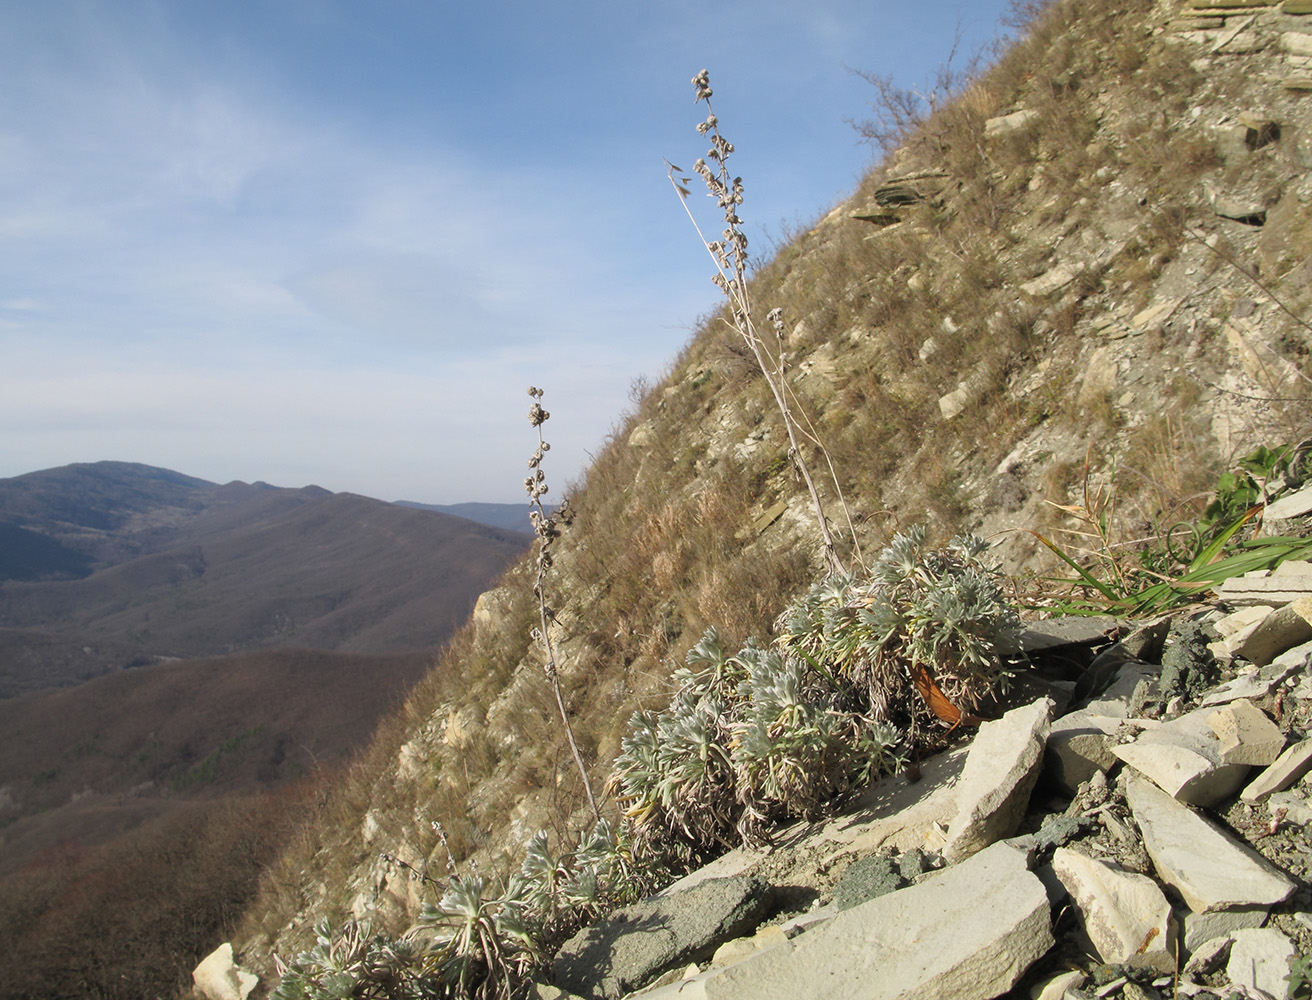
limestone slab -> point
(1078, 745)
(1259, 960)
(1125, 915)
(1013, 122)
(218, 977)
(634, 945)
(1208, 867)
(1200, 928)
(968, 933)
(1054, 633)
(1261, 682)
(1279, 631)
(1001, 768)
(1246, 734)
(1294, 504)
(1296, 43)
(1183, 757)
(1056, 987)
(1288, 768)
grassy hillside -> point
(1078, 266)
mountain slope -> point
(177, 567)
(222, 726)
(1058, 278)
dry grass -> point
(665, 540)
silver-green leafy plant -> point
(354, 962)
(861, 672)
(478, 945)
(472, 942)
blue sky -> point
(333, 242)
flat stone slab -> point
(634, 945)
(1054, 633)
(968, 933)
(1288, 768)
(1279, 631)
(1183, 757)
(1126, 916)
(1001, 769)
(1290, 505)
(1261, 682)
(1078, 745)
(1199, 928)
(1259, 960)
(1246, 734)
(1209, 868)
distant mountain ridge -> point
(112, 564)
(510, 516)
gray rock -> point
(1273, 590)
(1283, 629)
(1290, 505)
(1200, 928)
(634, 945)
(1014, 122)
(1292, 805)
(1259, 960)
(1125, 915)
(1183, 757)
(1113, 678)
(1259, 683)
(1288, 768)
(867, 878)
(1238, 209)
(1078, 745)
(1001, 768)
(1208, 956)
(1055, 633)
(1056, 279)
(1144, 643)
(1296, 43)
(1208, 867)
(803, 922)
(1056, 987)
(219, 977)
(913, 864)
(967, 933)
(1246, 734)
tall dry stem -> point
(731, 263)
(546, 527)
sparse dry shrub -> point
(131, 917)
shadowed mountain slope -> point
(172, 566)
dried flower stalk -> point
(546, 527)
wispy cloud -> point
(238, 240)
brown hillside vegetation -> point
(130, 917)
(1083, 257)
(210, 727)
(138, 811)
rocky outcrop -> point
(968, 933)
(926, 891)
(634, 945)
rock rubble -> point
(998, 873)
